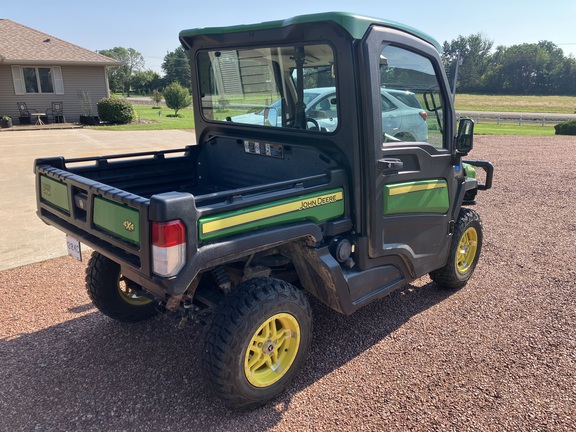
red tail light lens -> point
(166, 234)
(424, 115)
(168, 247)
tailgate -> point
(108, 219)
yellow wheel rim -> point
(272, 350)
(467, 250)
(130, 295)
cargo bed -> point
(108, 202)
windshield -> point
(287, 86)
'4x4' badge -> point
(128, 226)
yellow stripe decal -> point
(400, 190)
(256, 215)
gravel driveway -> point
(500, 354)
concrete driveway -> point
(24, 239)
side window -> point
(408, 82)
(325, 107)
(387, 105)
(324, 112)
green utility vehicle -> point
(328, 163)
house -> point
(39, 69)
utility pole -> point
(458, 64)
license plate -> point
(74, 249)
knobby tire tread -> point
(237, 315)
(446, 276)
(102, 287)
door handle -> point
(389, 165)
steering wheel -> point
(314, 122)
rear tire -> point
(113, 294)
(257, 342)
(464, 251)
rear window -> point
(407, 97)
(270, 86)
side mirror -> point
(465, 137)
(270, 117)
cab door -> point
(411, 184)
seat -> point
(25, 116)
(56, 112)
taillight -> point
(424, 115)
(168, 247)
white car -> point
(401, 119)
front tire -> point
(113, 294)
(257, 342)
(464, 251)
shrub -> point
(115, 110)
(566, 128)
(176, 97)
(157, 97)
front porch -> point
(35, 127)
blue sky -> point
(152, 27)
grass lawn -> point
(158, 119)
(485, 128)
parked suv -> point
(403, 118)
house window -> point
(38, 80)
(41, 79)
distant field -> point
(545, 104)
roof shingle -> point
(23, 45)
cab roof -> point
(355, 25)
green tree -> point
(519, 69)
(144, 82)
(176, 97)
(556, 77)
(566, 78)
(475, 59)
(120, 77)
(176, 68)
(531, 68)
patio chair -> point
(56, 112)
(25, 116)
